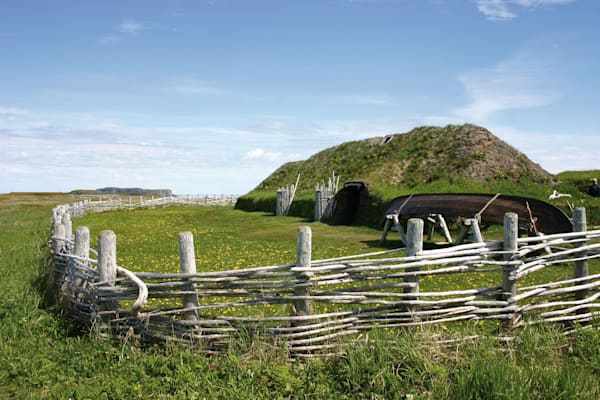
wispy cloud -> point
(563, 154)
(275, 156)
(517, 83)
(130, 26)
(503, 10)
(108, 39)
(13, 111)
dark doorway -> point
(350, 201)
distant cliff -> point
(136, 191)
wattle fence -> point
(308, 306)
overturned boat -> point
(535, 216)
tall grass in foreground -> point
(43, 357)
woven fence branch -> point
(311, 305)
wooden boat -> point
(534, 215)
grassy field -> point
(43, 356)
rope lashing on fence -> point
(308, 306)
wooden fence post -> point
(581, 267)
(58, 238)
(81, 250)
(279, 206)
(107, 257)
(414, 247)
(60, 262)
(303, 307)
(318, 205)
(66, 220)
(82, 243)
(187, 262)
(510, 246)
(107, 273)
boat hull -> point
(547, 218)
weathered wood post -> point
(60, 262)
(66, 220)
(82, 244)
(475, 231)
(187, 263)
(318, 205)
(303, 307)
(581, 266)
(414, 247)
(279, 206)
(107, 257)
(510, 247)
(107, 273)
(58, 238)
(511, 234)
(54, 215)
(82, 251)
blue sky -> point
(211, 96)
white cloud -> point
(13, 112)
(517, 83)
(503, 10)
(555, 152)
(273, 156)
(495, 9)
(130, 26)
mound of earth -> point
(421, 156)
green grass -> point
(43, 357)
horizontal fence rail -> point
(112, 203)
(309, 305)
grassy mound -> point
(451, 159)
